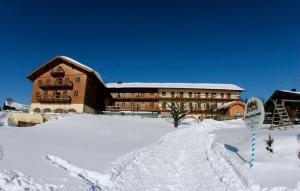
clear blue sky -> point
(254, 44)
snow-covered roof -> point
(289, 91)
(17, 106)
(84, 66)
(176, 86)
(225, 105)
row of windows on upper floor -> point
(165, 106)
(58, 80)
(196, 94)
(56, 93)
(178, 94)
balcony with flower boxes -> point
(66, 84)
(54, 99)
(57, 72)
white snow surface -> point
(90, 152)
(207, 86)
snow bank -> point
(17, 181)
(4, 117)
(210, 123)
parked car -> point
(296, 117)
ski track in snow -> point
(182, 160)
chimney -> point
(119, 82)
(293, 90)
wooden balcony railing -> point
(65, 84)
(136, 97)
(54, 99)
(57, 72)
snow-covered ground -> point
(94, 152)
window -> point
(132, 104)
(214, 95)
(163, 93)
(198, 94)
(75, 92)
(199, 106)
(37, 94)
(206, 95)
(123, 104)
(207, 107)
(67, 79)
(142, 94)
(222, 95)
(181, 105)
(190, 94)
(77, 80)
(40, 82)
(229, 95)
(172, 94)
(45, 93)
(48, 81)
(152, 105)
(163, 105)
(60, 80)
(65, 92)
(181, 94)
(191, 106)
(142, 105)
(37, 110)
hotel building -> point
(65, 85)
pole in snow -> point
(253, 149)
(254, 118)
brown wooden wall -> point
(71, 74)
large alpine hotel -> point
(65, 85)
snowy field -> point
(94, 152)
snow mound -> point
(16, 181)
(210, 123)
(4, 117)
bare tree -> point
(177, 113)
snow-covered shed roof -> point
(17, 106)
(68, 59)
(206, 86)
(228, 104)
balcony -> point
(136, 97)
(67, 84)
(54, 99)
(58, 72)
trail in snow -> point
(182, 160)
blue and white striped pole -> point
(253, 149)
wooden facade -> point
(134, 99)
(200, 102)
(64, 85)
